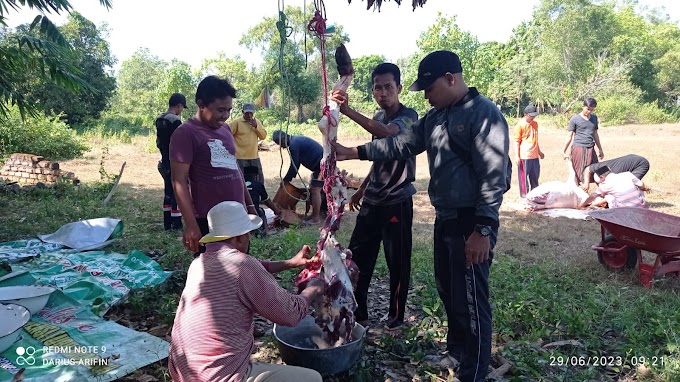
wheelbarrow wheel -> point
(621, 261)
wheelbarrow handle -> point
(609, 250)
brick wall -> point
(33, 169)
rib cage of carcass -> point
(334, 313)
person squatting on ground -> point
(582, 139)
(247, 131)
(386, 213)
(305, 152)
(632, 163)
(212, 337)
(166, 124)
(258, 193)
(203, 161)
(618, 190)
(466, 139)
(528, 151)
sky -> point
(192, 31)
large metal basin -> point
(12, 319)
(31, 297)
(296, 348)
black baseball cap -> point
(279, 136)
(176, 99)
(602, 170)
(433, 66)
(531, 111)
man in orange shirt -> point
(528, 151)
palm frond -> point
(44, 6)
(51, 59)
(49, 54)
(10, 63)
(43, 56)
(49, 31)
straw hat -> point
(229, 219)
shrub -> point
(115, 125)
(617, 110)
(621, 109)
(650, 113)
(46, 136)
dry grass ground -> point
(527, 241)
(530, 236)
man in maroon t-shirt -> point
(203, 161)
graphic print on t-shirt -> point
(220, 157)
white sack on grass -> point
(556, 195)
(84, 235)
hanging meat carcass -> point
(335, 313)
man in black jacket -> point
(466, 138)
(166, 124)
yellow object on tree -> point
(264, 100)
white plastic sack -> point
(84, 235)
(556, 195)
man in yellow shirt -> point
(247, 131)
(528, 151)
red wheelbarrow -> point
(627, 231)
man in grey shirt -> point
(386, 214)
(466, 138)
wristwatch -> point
(483, 230)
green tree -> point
(509, 86)
(361, 91)
(246, 80)
(139, 79)
(571, 35)
(91, 54)
(299, 80)
(668, 76)
(363, 83)
(564, 53)
(45, 53)
(178, 78)
(478, 59)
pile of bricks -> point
(28, 169)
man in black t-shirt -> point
(386, 213)
(628, 163)
(166, 124)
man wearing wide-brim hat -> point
(212, 337)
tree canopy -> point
(622, 54)
(46, 53)
(91, 55)
(287, 61)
